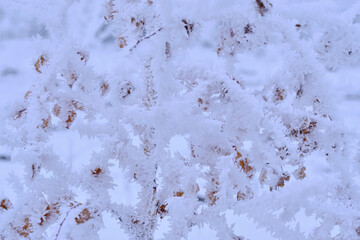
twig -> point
(142, 39)
(61, 224)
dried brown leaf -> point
(19, 114)
(83, 216)
(40, 62)
(5, 204)
(26, 229)
(70, 118)
(122, 42)
(178, 194)
(96, 172)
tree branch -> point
(142, 39)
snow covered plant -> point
(267, 147)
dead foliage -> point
(280, 94)
(195, 188)
(70, 118)
(263, 176)
(122, 42)
(262, 7)
(56, 110)
(110, 11)
(307, 127)
(26, 229)
(27, 94)
(72, 78)
(19, 114)
(148, 149)
(281, 181)
(45, 122)
(283, 152)
(248, 29)
(300, 173)
(35, 170)
(161, 209)
(212, 197)
(204, 105)
(96, 172)
(104, 88)
(189, 27)
(51, 210)
(83, 56)
(139, 23)
(167, 50)
(5, 204)
(178, 194)
(126, 89)
(246, 195)
(40, 62)
(243, 163)
(83, 216)
(77, 105)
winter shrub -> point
(267, 147)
